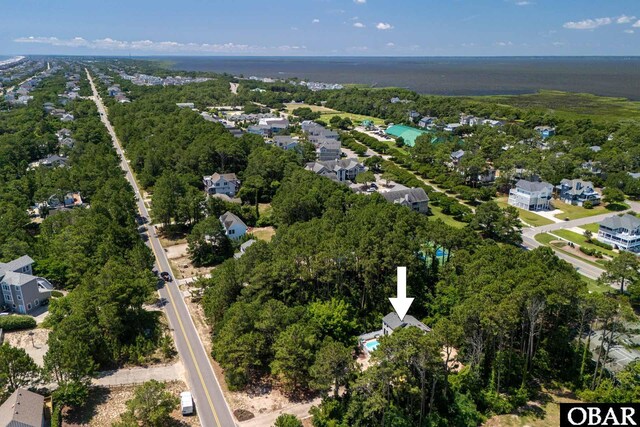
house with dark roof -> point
(225, 183)
(414, 198)
(392, 322)
(622, 232)
(577, 191)
(531, 195)
(21, 291)
(23, 409)
(234, 227)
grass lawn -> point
(591, 227)
(264, 233)
(449, 220)
(530, 218)
(577, 212)
(572, 105)
(545, 239)
(579, 239)
(328, 113)
(596, 287)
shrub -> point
(16, 322)
(588, 204)
(601, 244)
(56, 294)
(590, 252)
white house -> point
(531, 195)
(226, 183)
(234, 227)
(622, 232)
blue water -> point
(372, 345)
(609, 76)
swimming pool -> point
(371, 345)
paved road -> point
(211, 406)
(586, 269)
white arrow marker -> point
(401, 304)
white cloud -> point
(624, 19)
(558, 44)
(384, 26)
(523, 3)
(391, 44)
(637, 24)
(359, 1)
(503, 44)
(629, 31)
(315, 21)
(588, 24)
(151, 46)
(358, 25)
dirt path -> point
(234, 87)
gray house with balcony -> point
(577, 191)
(622, 232)
(22, 292)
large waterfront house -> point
(577, 191)
(337, 170)
(226, 183)
(234, 227)
(414, 198)
(622, 232)
(531, 195)
(21, 291)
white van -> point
(186, 403)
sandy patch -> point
(35, 345)
(181, 263)
(107, 404)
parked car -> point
(186, 403)
(166, 277)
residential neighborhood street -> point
(584, 268)
(211, 407)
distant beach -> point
(606, 76)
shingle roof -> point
(626, 221)
(533, 185)
(394, 322)
(412, 195)
(228, 219)
(17, 264)
(22, 409)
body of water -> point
(607, 76)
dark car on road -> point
(166, 276)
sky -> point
(321, 27)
